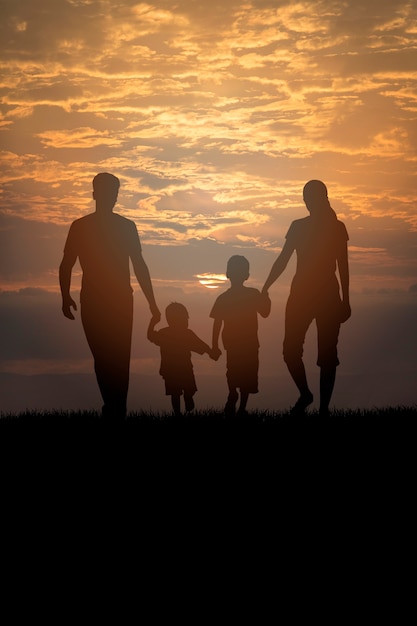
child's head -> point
(237, 268)
(176, 315)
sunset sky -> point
(213, 114)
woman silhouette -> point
(320, 242)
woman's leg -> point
(297, 321)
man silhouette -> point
(320, 242)
(104, 242)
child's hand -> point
(215, 353)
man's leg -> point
(108, 329)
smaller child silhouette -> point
(237, 311)
(176, 342)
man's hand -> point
(345, 312)
(67, 305)
(156, 314)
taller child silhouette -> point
(104, 242)
(320, 242)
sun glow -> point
(211, 281)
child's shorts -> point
(242, 369)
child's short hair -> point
(176, 313)
(237, 267)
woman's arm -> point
(279, 265)
(343, 267)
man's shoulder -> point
(95, 217)
(302, 222)
(123, 223)
(81, 224)
(122, 219)
(85, 219)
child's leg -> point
(230, 408)
(188, 401)
(175, 401)
(327, 380)
(243, 401)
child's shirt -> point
(238, 308)
(176, 346)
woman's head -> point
(315, 197)
(315, 193)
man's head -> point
(105, 191)
(237, 269)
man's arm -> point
(144, 279)
(279, 265)
(343, 267)
(152, 334)
(65, 271)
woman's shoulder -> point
(342, 230)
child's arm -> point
(213, 354)
(215, 350)
(200, 346)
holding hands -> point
(215, 353)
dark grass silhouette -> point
(357, 419)
(347, 453)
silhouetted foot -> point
(189, 404)
(302, 403)
(324, 411)
(113, 413)
(242, 413)
(230, 408)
